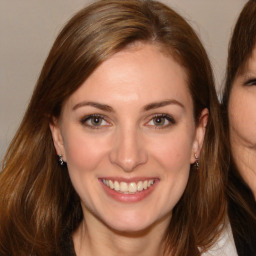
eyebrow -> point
(100, 106)
(159, 104)
(148, 107)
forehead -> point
(251, 63)
(249, 67)
(140, 72)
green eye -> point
(94, 121)
(159, 121)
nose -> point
(128, 150)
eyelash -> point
(90, 117)
(250, 82)
(86, 119)
(169, 119)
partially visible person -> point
(126, 102)
(239, 110)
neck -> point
(245, 160)
(95, 238)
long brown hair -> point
(242, 206)
(38, 203)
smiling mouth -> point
(128, 188)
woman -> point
(126, 100)
(239, 105)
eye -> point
(95, 121)
(250, 82)
(161, 121)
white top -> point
(225, 245)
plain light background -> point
(28, 28)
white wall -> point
(29, 27)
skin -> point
(242, 121)
(129, 144)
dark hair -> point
(241, 206)
(241, 46)
(38, 203)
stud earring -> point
(197, 161)
(61, 162)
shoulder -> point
(224, 246)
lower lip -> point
(129, 198)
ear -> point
(199, 135)
(57, 137)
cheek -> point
(173, 153)
(242, 116)
(84, 153)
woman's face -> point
(242, 111)
(128, 136)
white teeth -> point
(151, 182)
(128, 188)
(110, 184)
(123, 186)
(145, 184)
(133, 187)
(140, 186)
(116, 186)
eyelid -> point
(88, 117)
(250, 81)
(168, 117)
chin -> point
(133, 225)
(131, 229)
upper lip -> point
(128, 180)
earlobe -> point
(57, 137)
(199, 136)
(195, 146)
